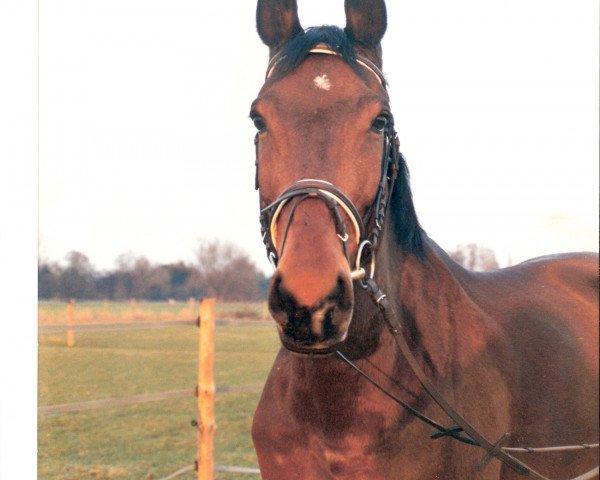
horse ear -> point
(277, 21)
(366, 21)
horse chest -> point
(371, 446)
(327, 429)
(292, 450)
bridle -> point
(337, 202)
(334, 198)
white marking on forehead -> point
(322, 82)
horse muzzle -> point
(317, 328)
(311, 296)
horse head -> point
(326, 160)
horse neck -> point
(431, 306)
(420, 292)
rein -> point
(493, 450)
(367, 243)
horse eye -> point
(259, 123)
(379, 123)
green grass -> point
(149, 440)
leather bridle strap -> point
(316, 188)
(441, 430)
(493, 450)
(338, 203)
(302, 190)
(455, 431)
(323, 48)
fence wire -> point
(218, 468)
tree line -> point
(221, 270)
(475, 257)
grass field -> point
(148, 440)
(52, 312)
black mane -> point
(407, 230)
(405, 223)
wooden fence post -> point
(70, 331)
(206, 390)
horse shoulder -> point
(552, 299)
(544, 312)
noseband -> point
(335, 199)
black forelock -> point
(294, 52)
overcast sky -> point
(145, 144)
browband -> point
(322, 48)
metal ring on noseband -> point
(359, 273)
(273, 260)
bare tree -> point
(148, 280)
(222, 270)
(227, 272)
(474, 257)
(78, 279)
(122, 281)
(49, 274)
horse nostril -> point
(275, 290)
(278, 300)
(343, 295)
(329, 329)
(283, 305)
(298, 326)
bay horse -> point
(396, 362)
